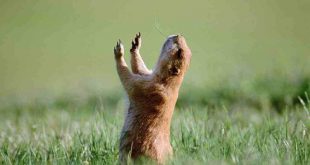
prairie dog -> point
(152, 97)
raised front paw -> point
(136, 43)
(119, 49)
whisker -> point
(156, 25)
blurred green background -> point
(55, 46)
(244, 100)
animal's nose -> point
(179, 38)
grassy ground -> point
(66, 131)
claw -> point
(119, 49)
(136, 42)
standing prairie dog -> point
(152, 97)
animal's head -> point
(174, 57)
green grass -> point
(65, 131)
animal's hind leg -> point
(137, 63)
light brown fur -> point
(152, 97)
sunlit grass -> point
(200, 134)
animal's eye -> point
(179, 53)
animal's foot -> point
(119, 49)
(136, 43)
